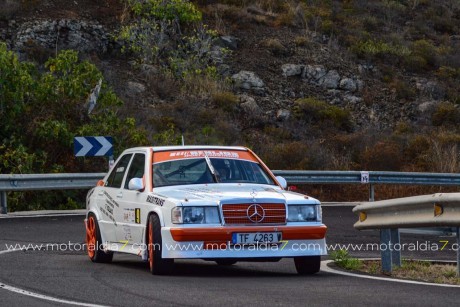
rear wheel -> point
(225, 262)
(307, 265)
(158, 265)
(94, 242)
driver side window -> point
(136, 169)
(118, 172)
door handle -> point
(120, 194)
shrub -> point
(301, 41)
(446, 114)
(403, 90)
(156, 36)
(374, 48)
(344, 260)
(316, 111)
(173, 10)
(292, 155)
(274, 46)
(424, 54)
(383, 156)
(225, 100)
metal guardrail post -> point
(371, 192)
(396, 253)
(3, 202)
(385, 240)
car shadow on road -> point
(200, 268)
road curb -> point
(326, 268)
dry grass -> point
(417, 270)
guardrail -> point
(28, 182)
(370, 178)
(437, 210)
(35, 182)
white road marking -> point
(38, 295)
(326, 268)
(40, 215)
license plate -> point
(256, 237)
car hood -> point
(230, 192)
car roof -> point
(189, 147)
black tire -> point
(307, 265)
(226, 261)
(97, 254)
(158, 265)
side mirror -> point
(136, 184)
(282, 182)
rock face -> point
(63, 34)
(247, 80)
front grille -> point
(238, 214)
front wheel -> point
(307, 265)
(158, 264)
(94, 242)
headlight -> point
(302, 213)
(319, 213)
(195, 215)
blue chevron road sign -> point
(90, 146)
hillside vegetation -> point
(333, 85)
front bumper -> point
(215, 242)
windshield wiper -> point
(211, 168)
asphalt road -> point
(71, 276)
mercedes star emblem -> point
(256, 213)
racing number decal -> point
(138, 215)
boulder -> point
(250, 106)
(348, 84)
(331, 80)
(247, 80)
(290, 70)
(314, 72)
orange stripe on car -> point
(164, 156)
(224, 234)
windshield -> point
(197, 171)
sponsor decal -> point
(138, 215)
(132, 215)
(129, 215)
(204, 153)
(155, 200)
(110, 200)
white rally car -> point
(201, 202)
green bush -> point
(317, 111)
(157, 36)
(423, 56)
(375, 48)
(345, 261)
(181, 10)
(43, 111)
